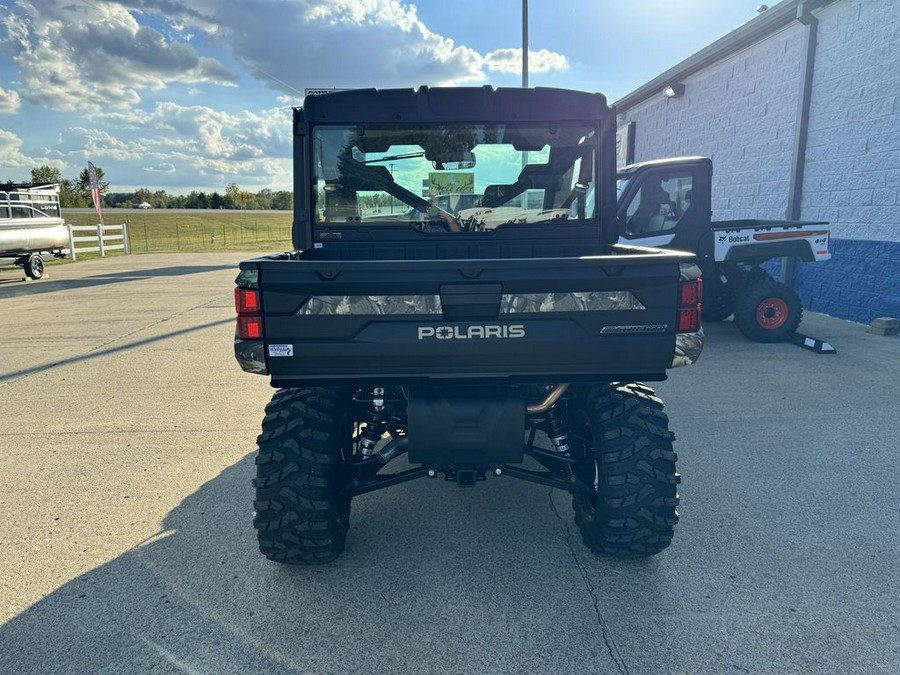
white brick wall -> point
(853, 156)
(741, 112)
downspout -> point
(801, 131)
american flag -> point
(95, 189)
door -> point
(665, 205)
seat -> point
(657, 223)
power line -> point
(275, 79)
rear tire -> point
(768, 311)
(626, 457)
(301, 518)
(34, 266)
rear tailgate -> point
(394, 321)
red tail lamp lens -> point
(689, 306)
(249, 327)
(688, 320)
(692, 293)
(246, 301)
(249, 321)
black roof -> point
(455, 104)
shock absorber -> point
(557, 431)
(375, 425)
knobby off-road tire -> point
(629, 462)
(300, 517)
(768, 311)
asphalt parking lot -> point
(128, 435)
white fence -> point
(103, 242)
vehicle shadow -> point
(434, 579)
(15, 287)
(7, 377)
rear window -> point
(472, 178)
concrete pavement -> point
(128, 434)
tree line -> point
(76, 193)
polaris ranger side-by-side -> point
(506, 339)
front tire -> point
(768, 311)
(625, 456)
(301, 517)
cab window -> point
(659, 204)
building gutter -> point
(801, 129)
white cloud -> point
(163, 167)
(12, 157)
(187, 146)
(80, 143)
(354, 43)
(9, 101)
(92, 57)
(296, 44)
(101, 58)
(509, 61)
(212, 133)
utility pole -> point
(524, 81)
(524, 44)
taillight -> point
(691, 293)
(688, 320)
(689, 301)
(246, 301)
(249, 320)
(249, 327)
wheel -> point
(300, 516)
(768, 311)
(34, 266)
(623, 450)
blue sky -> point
(196, 94)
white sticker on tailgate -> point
(281, 350)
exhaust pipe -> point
(394, 448)
(548, 402)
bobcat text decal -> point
(470, 332)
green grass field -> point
(159, 231)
